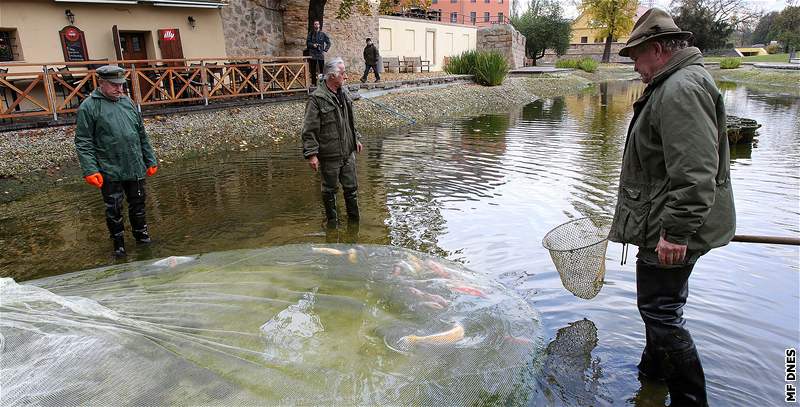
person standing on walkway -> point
(331, 141)
(371, 57)
(318, 43)
(675, 200)
(115, 154)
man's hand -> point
(95, 179)
(313, 161)
(152, 171)
(670, 253)
(359, 147)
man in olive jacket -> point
(371, 56)
(115, 154)
(330, 141)
(675, 200)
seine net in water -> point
(578, 250)
(293, 325)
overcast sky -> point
(767, 5)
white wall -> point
(406, 37)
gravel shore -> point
(241, 128)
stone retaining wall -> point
(504, 39)
(578, 51)
(253, 27)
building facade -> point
(479, 13)
(582, 33)
(430, 40)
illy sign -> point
(168, 35)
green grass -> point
(758, 58)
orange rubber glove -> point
(151, 171)
(95, 179)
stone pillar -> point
(347, 36)
(506, 40)
(253, 27)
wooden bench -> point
(391, 64)
(414, 63)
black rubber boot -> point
(331, 217)
(119, 246)
(351, 202)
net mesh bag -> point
(578, 250)
(291, 325)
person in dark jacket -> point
(371, 57)
(675, 200)
(330, 141)
(115, 154)
(318, 43)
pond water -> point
(483, 191)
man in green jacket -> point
(330, 141)
(675, 200)
(371, 57)
(115, 154)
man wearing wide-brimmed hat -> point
(115, 154)
(675, 200)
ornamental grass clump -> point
(491, 68)
(730, 63)
(585, 64)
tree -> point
(709, 33)
(614, 18)
(787, 28)
(764, 26)
(713, 21)
(544, 26)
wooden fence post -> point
(49, 90)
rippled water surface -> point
(483, 191)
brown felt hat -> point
(654, 23)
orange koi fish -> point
(469, 291)
(448, 337)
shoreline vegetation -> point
(47, 155)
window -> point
(486, 16)
(584, 40)
(454, 1)
(487, 1)
(385, 39)
(434, 1)
(473, 1)
(453, 17)
(500, 18)
(500, 1)
(473, 16)
(9, 49)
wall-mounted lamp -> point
(70, 16)
(192, 22)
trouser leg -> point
(670, 352)
(366, 73)
(329, 172)
(112, 193)
(377, 74)
(135, 193)
(349, 180)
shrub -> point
(773, 49)
(730, 63)
(491, 68)
(586, 64)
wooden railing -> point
(53, 89)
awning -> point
(161, 3)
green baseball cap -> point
(111, 73)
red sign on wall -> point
(168, 35)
